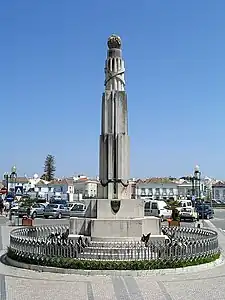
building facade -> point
(85, 187)
(156, 189)
(218, 191)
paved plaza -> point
(16, 284)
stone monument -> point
(114, 216)
(114, 157)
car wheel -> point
(59, 216)
(207, 217)
(34, 215)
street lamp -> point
(6, 180)
(12, 176)
(197, 178)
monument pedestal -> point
(127, 224)
(123, 229)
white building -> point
(218, 191)
(86, 187)
(184, 188)
(157, 188)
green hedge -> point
(69, 263)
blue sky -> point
(52, 79)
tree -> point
(173, 205)
(49, 168)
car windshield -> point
(78, 207)
(52, 206)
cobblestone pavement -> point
(19, 284)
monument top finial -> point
(114, 42)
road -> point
(19, 284)
(219, 219)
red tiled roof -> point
(159, 180)
(219, 184)
(61, 182)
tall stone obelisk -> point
(114, 140)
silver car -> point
(78, 210)
(56, 211)
(36, 210)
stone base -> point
(154, 237)
(75, 236)
(124, 229)
(101, 209)
(128, 209)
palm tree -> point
(173, 205)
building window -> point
(223, 193)
(157, 192)
(217, 194)
(150, 192)
(142, 191)
(164, 192)
(171, 192)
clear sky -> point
(52, 79)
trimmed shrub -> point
(70, 263)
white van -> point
(157, 208)
(184, 204)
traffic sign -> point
(18, 190)
(9, 198)
(18, 197)
(3, 190)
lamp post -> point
(197, 179)
(6, 179)
(12, 177)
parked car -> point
(77, 210)
(59, 201)
(205, 211)
(36, 210)
(184, 204)
(188, 213)
(157, 209)
(56, 211)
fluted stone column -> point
(114, 140)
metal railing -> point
(186, 244)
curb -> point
(220, 261)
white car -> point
(14, 209)
(188, 214)
(157, 208)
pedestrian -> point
(7, 207)
(1, 206)
(28, 212)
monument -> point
(114, 157)
(114, 216)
